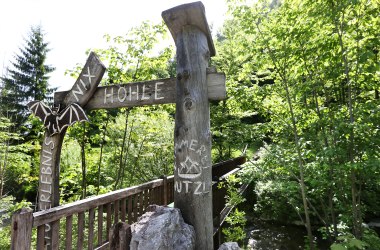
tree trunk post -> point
(48, 188)
(192, 138)
(22, 222)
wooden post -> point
(22, 222)
(48, 189)
(165, 190)
(120, 236)
(192, 171)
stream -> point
(270, 235)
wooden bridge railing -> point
(88, 222)
(101, 212)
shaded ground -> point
(269, 235)
(272, 235)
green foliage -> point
(15, 164)
(27, 78)
(312, 68)
(235, 231)
(128, 146)
(5, 238)
(236, 219)
(7, 207)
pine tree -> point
(26, 79)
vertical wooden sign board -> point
(192, 138)
(48, 190)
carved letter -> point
(44, 206)
(46, 170)
(47, 191)
(124, 96)
(201, 150)
(47, 229)
(178, 186)
(79, 91)
(143, 97)
(48, 160)
(47, 143)
(44, 198)
(186, 185)
(193, 144)
(108, 95)
(199, 184)
(134, 93)
(156, 90)
(83, 84)
(183, 143)
(46, 181)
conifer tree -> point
(26, 78)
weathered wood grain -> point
(134, 94)
(91, 222)
(100, 225)
(192, 136)
(48, 189)
(41, 237)
(108, 218)
(116, 209)
(123, 209)
(188, 14)
(80, 239)
(22, 229)
(69, 233)
(87, 82)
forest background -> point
(303, 82)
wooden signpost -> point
(162, 91)
(191, 90)
(192, 137)
(48, 189)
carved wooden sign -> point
(134, 94)
(77, 97)
(192, 90)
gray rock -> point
(162, 228)
(229, 246)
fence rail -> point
(87, 223)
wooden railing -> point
(87, 223)
(220, 172)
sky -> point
(73, 26)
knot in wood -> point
(186, 74)
(189, 103)
(179, 76)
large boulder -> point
(162, 228)
(229, 246)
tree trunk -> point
(83, 158)
(101, 152)
(192, 136)
(300, 167)
(121, 156)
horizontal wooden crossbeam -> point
(160, 91)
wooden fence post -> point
(120, 236)
(192, 138)
(22, 222)
(165, 190)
